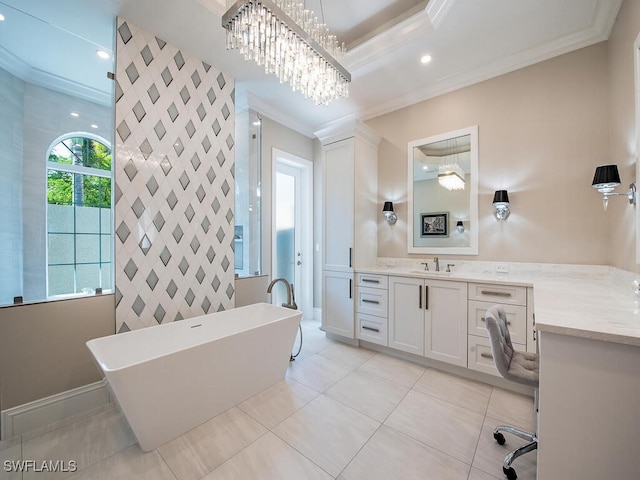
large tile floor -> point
(342, 412)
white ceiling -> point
(469, 41)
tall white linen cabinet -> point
(351, 214)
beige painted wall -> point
(622, 217)
(42, 346)
(542, 131)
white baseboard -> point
(24, 418)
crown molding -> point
(598, 31)
(437, 10)
(219, 7)
(386, 42)
(28, 74)
(605, 17)
(246, 100)
(399, 34)
(346, 127)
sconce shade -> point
(392, 218)
(459, 223)
(500, 196)
(606, 176)
(501, 204)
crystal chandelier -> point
(451, 176)
(290, 42)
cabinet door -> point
(406, 314)
(337, 303)
(338, 205)
(445, 334)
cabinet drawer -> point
(372, 301)
(373, 281)
(480, 357)
(502, 294)
(371, 329)
(516, 320)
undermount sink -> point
(431, 272)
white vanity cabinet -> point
(372, 308)
(513, 299)
(351, 215)
(429, 317)
(337, 303)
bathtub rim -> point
(95, 345)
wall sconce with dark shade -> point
(389, 213)
(606, 179)
(501, 204)
(460, 226)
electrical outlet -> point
(391, 262)
(502, 268)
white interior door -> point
(293, 227)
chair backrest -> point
(501, 347)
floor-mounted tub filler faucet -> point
(291, 296)
(291, 303)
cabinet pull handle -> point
(364, 300)
(483, 320)
(370, 328)
(370, 280)
(350, 262)
(350, 288)
(497, 294)
(426, 297)
(486, 355)
(420, 297)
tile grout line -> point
(235, 454)
(302, 454)
(379, 426)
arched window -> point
(79, 217)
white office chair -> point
(519, 367)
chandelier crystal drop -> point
(288, 41)
(451, 176)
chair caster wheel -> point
(500, 439)
(510, 473)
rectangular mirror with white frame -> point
(442, 184)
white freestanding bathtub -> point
(171, 378)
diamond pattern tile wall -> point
(174, 183)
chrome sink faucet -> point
(437, 262)
(291, 296)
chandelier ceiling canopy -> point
(288, 41)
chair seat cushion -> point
(519, 367)
(524, 368)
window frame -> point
(85, 171)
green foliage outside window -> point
(64, 187)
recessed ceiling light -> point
(74, 114)
(93, 125)
(1, 17)
(103, 54)
(425, 59)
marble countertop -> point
(588, 301)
